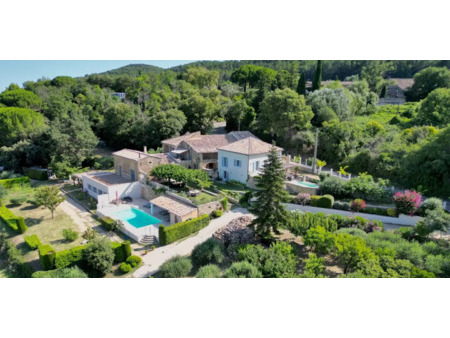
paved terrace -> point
(108, 178)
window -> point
(237, 163)
(100, 192)
(225, 161)
(225, 176)
(89, 187)
(94, 189)
(257, 165)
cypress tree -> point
(301, 85)
(317, 79)
(269, 209)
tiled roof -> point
(175, 141)
(208, 143)
(249, 146)
(173, 205)
(164, 158)
(404, 83)
(131, 154)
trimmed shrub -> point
(242, 270)
(21, 225)
(315, 200)
(176, 231)
(38, 174)
(32, 241)
(341, 205)
(69, 235)
(353, 232)
(334, 186)
(18, 200)
(407, 202)
(326, 201)
(217, 213)
(134, 261)
(176, 267)
(12, 182)
(357, 205)
(210, 252)
(299, 223)
(70, 256)
(392, 212)
(125, 267)
(73, 272)
(303, 198)
(98, 256)
(225, 203)
(208, 271)
(376, 211)
(106, 222)
(13, 259)
(432, 203)
(121, 251)
(314, 266)
(47, 257)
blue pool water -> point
(137, 218)
(308, 184)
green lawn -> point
(84, 199)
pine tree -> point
(317, 79)
(269, 209)
(301, 85)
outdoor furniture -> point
(194, 192)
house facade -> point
(243, 159)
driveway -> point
(154, 259)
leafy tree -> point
(208, 271)
(199, 112)
(240, 116)
(427, 80)
(176, 267)
(99, 256)
(301, 85)
(324, 114)
(211, 251)
(72, 139)
(435, 109)
(373, 72)
(317, 78)
(268, 208)
(337, 99)
(351, 250)
(202, 77)
(284, 112)
(407, 202)
(435, 220)
(117, 124)
(163, 125)
(363, 101)
(242, 76)
(21, 98)
(319, 240)
(18, 124)
(49, 197)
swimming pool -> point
(137, 218)
(307, 184)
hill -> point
(134, 70)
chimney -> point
(145, 149)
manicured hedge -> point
(62, 259)
(47, 257)
(121, 251)
(70, 256)
(106, 222)
(12, 182)
(33, 241)
(14, 222)
(37, 174)
(176, 231)
(315, 200)
(326, 201)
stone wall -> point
(296, 189)
(208, 208)
(127, 165)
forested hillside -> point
(59, 122)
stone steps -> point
(147, 239)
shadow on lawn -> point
(30, 221)
(29, 207)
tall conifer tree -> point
(269, 209)
(301, 85)
(317, 79)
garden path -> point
(154, 259)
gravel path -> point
(154, 259)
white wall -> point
(254, 158)
(234, 173)
(132, 189)
(94, 184)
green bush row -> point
(33, 241)
(106, 222)
(50, 259)
(13, 259)
(37, 174)
(14, 222)
(12, 182)
(176, 231)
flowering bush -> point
(357, 205)
(303, 198)
(408, 202)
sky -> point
(19, 72)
